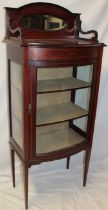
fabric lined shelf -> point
(59, 113)
(60, 84)
(56, 140)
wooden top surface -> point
(54, 42)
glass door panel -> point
(62, 103)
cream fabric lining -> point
(60, 84)
(17, 131)
(17, 102)
(56, 140)
(58, 112)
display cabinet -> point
(54, 72)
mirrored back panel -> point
(43, 22)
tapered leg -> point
(25, 168)
(13, 165)
(87, 160)
(68, 161)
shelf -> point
(59, 113)
(56, 140)
(61, 84)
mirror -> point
(42, 22)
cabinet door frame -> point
(91, 115)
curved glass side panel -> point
(17, 103)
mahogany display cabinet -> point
(54, 72)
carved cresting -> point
(92, 32)
(73, 28)
(16, 30)
(78, 30)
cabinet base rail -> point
(26, 165)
